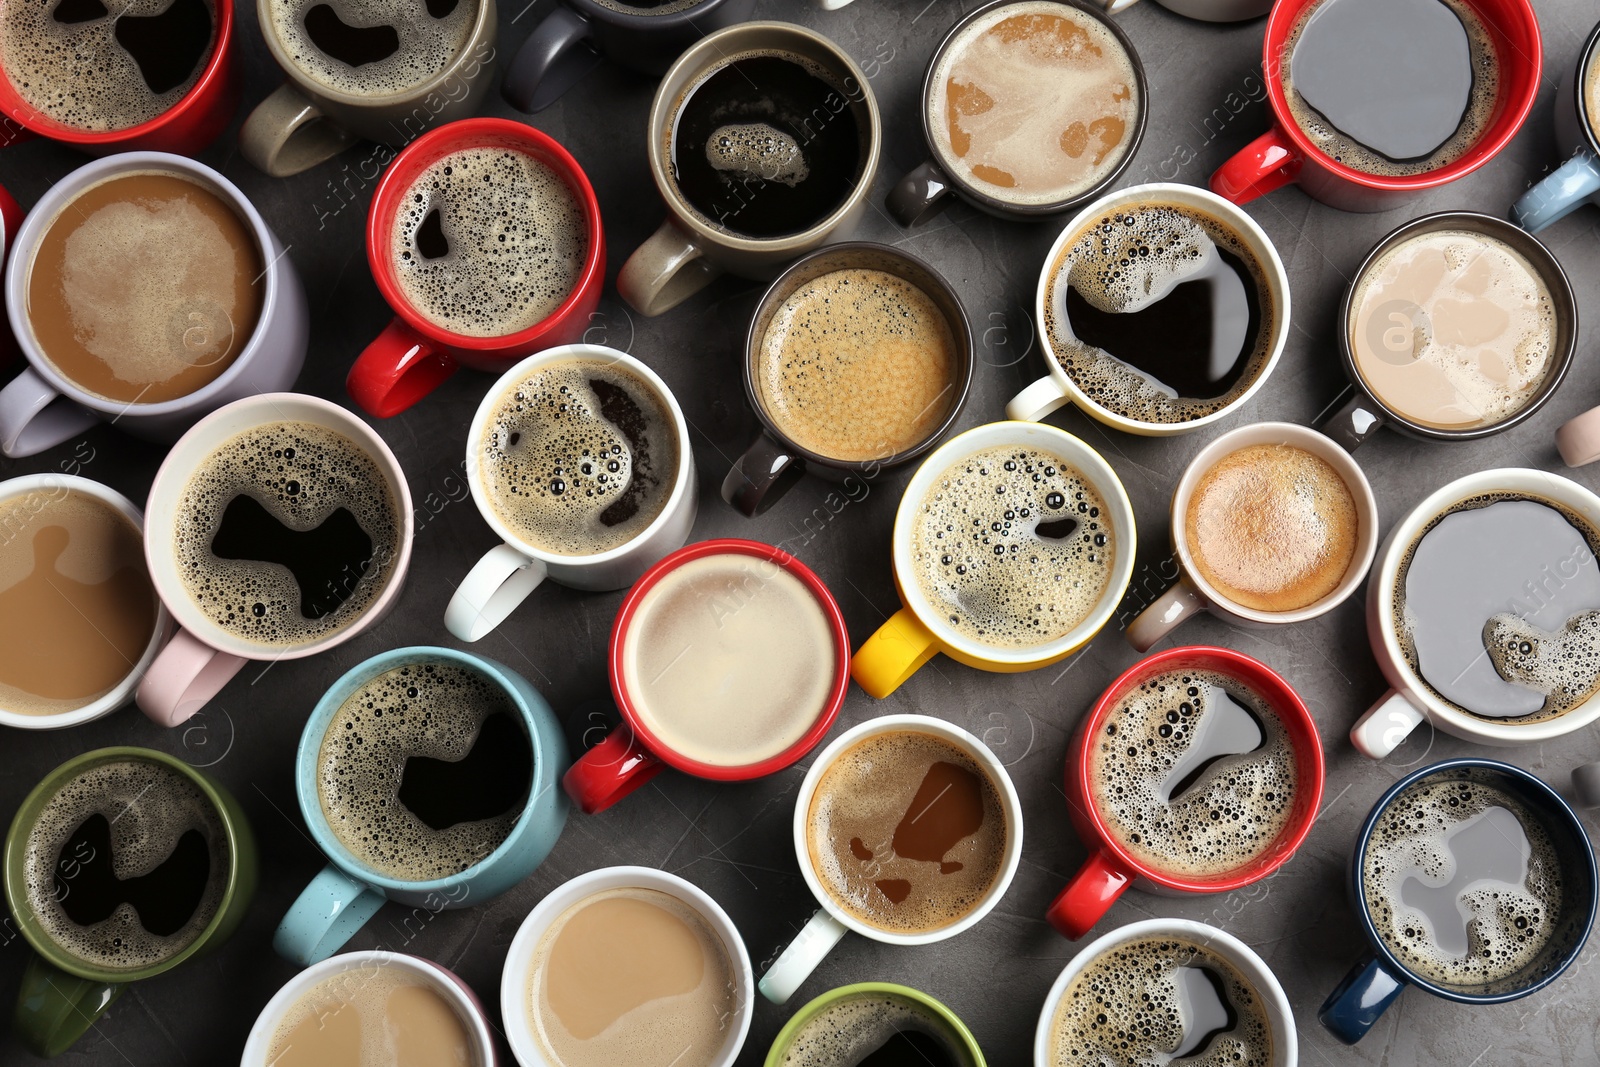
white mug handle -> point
(500, 581)
(790, 970)
(1386, 724)
(1037, 400)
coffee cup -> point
(1150, 824)
(858, 359)
(1087, 536)
(1132, 969)
(154, 362)
(83, 812)
(765, 191)
(82, 622)
(1204, 10)
(10, 221)
(1000, 145)
(470, 284)
(385, 82)
(1170, 374)
(422, 1007)
(728, 661)
(1272, 523)
(648, 953)
(1527, 905)
(628, 525)
(940, 823)
(1397, 105)
(1577, 181)
(1423, 355)
(874, 1019)
(491, 752)
(1454, 631)
(232, 509)
(645, 36)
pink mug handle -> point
(1267, 163)
(185, 675)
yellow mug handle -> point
(893, 654)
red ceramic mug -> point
(413, 355)
(633, 752)
(1285, 154)
(1111, 868)
(10, 222)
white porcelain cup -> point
(1410, 699)
(516, 999)
(1192, 594)
(507, 573)
(830, 923)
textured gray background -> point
(734, 840)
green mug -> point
(64, 992)
(905, 1011)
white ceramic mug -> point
(42, 407)
(1057, 388)
(830, 923)
(1192, 594)
(507, 573)
(516, 1000)
(1410, 700)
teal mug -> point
(352, 887)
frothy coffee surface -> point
(1013, 547)
(1591, 97)
(488, 242)
(579, 457)
(1035, 103)
(372, 1016)
(146, 810)
(873, 1028)
(1272, 527)
(1160, 1000)
(372, 47)
(1453, 330)
(857, 365)
(906, 832)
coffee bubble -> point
(750, 151)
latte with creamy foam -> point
(371, 47)
(373, 1016)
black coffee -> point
(352, 45)
(649, 7)
(327, 561)
(875, 1030)
(371, 47)
(165, 898)
(767, 145)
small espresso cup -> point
(574, 37)
(963, 785)
(698, 242)
(1114, 862)
(1058, 387)
(1385, 341)
(1149, 947)
(910, 415)
(1557, 847)
(1070, 126)
(1523, 592)
(328, 103)
(204, 654)
(1254, 512)
(1577, 181)
(416, 352)
(523, 1009)
(510, 571)
(42, 406)
(925, 627)
(351, 889)
(66, 988)
(879, 1015)
(652, 736)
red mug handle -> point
(610, 771)
(397, 370)
(1267, 163)
(1090, 894)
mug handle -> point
(396, 370)
(491, 591)
(55, 1008)
(920, 195)
(1357, 1002)
(760, 477)
(325, 915)
(1267, 163)
(185, 675)
(34, 416)
(1171, 609)
(1561, 193)
(1578, 439)
(552, 60)
(666, 270)
(808, 949)
(1355, 421)
(1090, 894)
(1386, 724)
(610, 771)
(1038, 400)
(287, 133)
(893, 654)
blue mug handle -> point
(326, 915)
(1365, 994)
(1560, 194)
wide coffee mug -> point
(415, 353)
(202, 655)
(1193, 592)
(691, 248)
(1500, 867)
(42, 407)
(1577, 181)
(578, 34)
(879, 1016)
(64, 993)
(309, 119)
(350, 890)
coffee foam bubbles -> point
(850, 1028)
(427, 45)
(1591, 96)
(750, 151)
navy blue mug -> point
(1382, 975)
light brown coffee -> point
(1272, 527)
(77, 609)
(373, 1016)
(145, 287)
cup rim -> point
(823, 1001)
(1010, 802)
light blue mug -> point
(1577, 181)
(347, 892)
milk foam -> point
(427, 45)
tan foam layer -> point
(427, 45)
(1591, 97)
(372, 1016)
